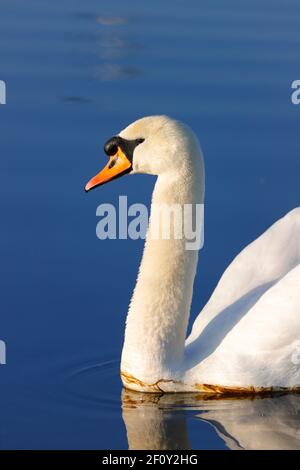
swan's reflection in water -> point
(152, 423)
(158, 422)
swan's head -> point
(153, 145)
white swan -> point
(246, 337)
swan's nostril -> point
(112, 163)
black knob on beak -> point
(111, 146)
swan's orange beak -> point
(118, 165)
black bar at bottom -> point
(134, 459)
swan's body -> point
(245, 339)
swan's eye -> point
(139, 141)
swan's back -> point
(253, 316)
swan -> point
(246, 338)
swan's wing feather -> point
(249, 332)
(260, 265)
(262, 349)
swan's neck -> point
(159, 311)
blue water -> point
(76, 73)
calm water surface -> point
(76, 73)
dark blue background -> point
(76, 73)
